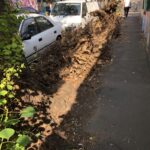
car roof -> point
(26, 7)
(29, 15)
(72, 1)
(32, 15)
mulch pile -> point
(69, 58)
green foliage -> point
(7, 133)
(11, 122)
(3, 92)
(11, 66)
(10, 42)
(28, 112)
(3, 101)
(23, 140)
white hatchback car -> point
(37, 32)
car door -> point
(33, 44)
(48, 30)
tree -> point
(2, 4)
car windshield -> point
(66, 9)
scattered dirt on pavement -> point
(52, 85)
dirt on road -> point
(57, 83)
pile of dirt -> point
(69, 59)
(78, 48)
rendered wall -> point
(146, 22)
(146, 28)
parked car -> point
(37, 32)
(72, 12)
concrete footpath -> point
(122, 118)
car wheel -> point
(59, 38)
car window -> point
(66, 9)
(84, 10)
(43, 23)
(29, 27)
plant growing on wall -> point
(11, 66)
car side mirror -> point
(26, 36)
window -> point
(146, 5)
(84, 10)
(29, 27)
(66, 9)
(43, 23)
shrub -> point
(11, 66)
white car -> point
(72, 13)
(37, 32)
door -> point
(34, 43)
(47, 30)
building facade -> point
(31, 3)
(146, 22)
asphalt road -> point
(122, 118)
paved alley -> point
(122, 118)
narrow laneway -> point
(122, 118)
